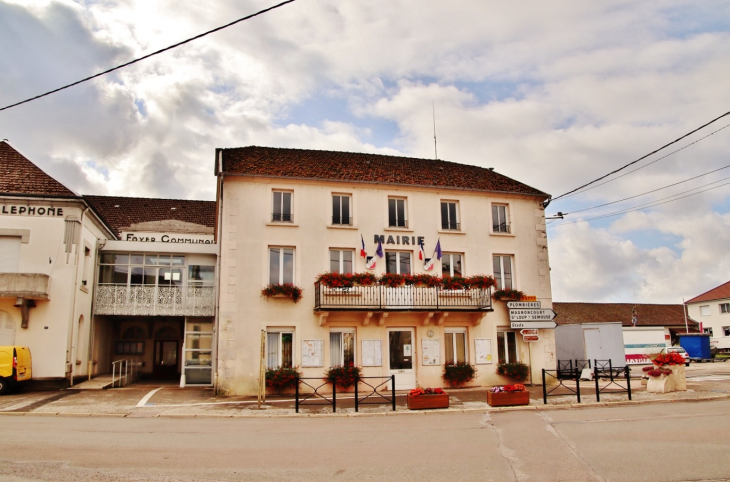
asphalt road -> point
(677, 441)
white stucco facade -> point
(247, 233)
(714, 315)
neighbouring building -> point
(87, 281)
(712, 309)
(288, 215)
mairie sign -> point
(531, 315)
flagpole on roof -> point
(684, 308)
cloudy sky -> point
(554, 94)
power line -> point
(649, 164)
(260, 12)
(645, 193)
(652, 204)
(641, 158)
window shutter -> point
(9, 254)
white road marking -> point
(709, 378)
(147, 397)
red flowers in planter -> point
(668, 359)
(290, 291)
(417, 392)
(517, 387)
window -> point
(279, 349)
(398, 262)
(201, 275)
(341, 209)
(9, 254)
(724, 308)
(281, 265)
(449, 218)
(726, 330)
(342, 347)
(503, 272)
(141, 269)
(455, 345)
(341, 261)
(87, 264)
(282, 207)
(507, 346)
(198, 357)
(705, 310)
(451, 265)
(500, 221)
(707, 331)
(397, 213)
(129, 348)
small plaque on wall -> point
(372, 353)
(431, 352)
(312, 353)
(483, 351)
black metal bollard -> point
(334, 398)
(392, 386)
(296, 397)
(356, 397)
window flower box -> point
(508, 395)
(420, 399)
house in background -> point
(712, 309)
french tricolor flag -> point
(363, 253)
(421, 253)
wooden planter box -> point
(505, 399)
(428, 401)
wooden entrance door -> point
(166, 360)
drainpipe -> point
(219, 239)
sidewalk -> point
(155, 400)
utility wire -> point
(261, 12)
(652, 204)
(641, 158)
(649, 164)
(645, 193)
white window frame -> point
(281, 264)
(349, 214)
(499, 276)
(506, 346)
(397, 262)
(724, 308)
(708, 331)
(341, 331)
(726, 330)
(453, 331)
(450, 222)
(405, 212)
(281, 332)
(705, 310)
(341, 253)
(451, 263)
(274, 192)
(499, 221)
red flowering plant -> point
(668, 359)
(508, 295)
(343, 376)
(392, 280)
(657, 372)
(280, 378)
(423, 280)
(455, 283)
(517, 387)
(345, 280)
(290, 291)
(481, 281)
(417, 392)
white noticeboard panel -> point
(312, 353)
(372, 353)
(431, 352)
(483, 351)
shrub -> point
(518, 371)
(281, 378)
(290, 291)
(459, 374)
(343, 377)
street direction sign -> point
(530, 338)
(528, 332)
(545, 325)
(523, 304)
(531, 315)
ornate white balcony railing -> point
(154, 301)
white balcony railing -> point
(154, 300)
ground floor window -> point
(507, 346)
(455, 346)
(199, 351)
(279, 349)
(342, 347)
(726, 330)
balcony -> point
(403, 298)
(30, 286)
(154, 300)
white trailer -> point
(590, 341)
(642, 342)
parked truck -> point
(642, 342)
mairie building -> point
(287, 216)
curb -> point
(523, 408)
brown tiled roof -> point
(646, 314)
(719, 293)
(20, 176)
(120, 213)
(359, 167)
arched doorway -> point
(167, 349)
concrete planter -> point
(676, 381)
(421, 402)
(680, 378)
(505, 399)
